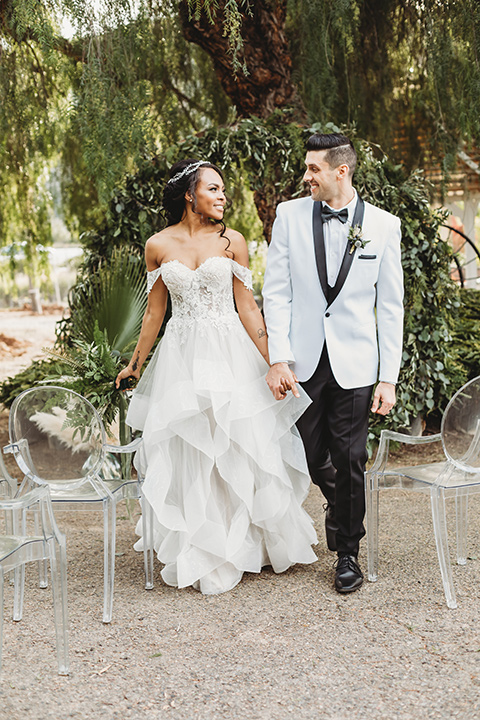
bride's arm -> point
(247, 307)
(152, 322)
(251, 317)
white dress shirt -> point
(335, 235)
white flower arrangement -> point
(355, 238)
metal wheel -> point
(464, 269)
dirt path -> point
(22, 337)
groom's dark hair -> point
(340, 149)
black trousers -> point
(334, 432)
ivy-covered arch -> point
(268, 156)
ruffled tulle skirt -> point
(224, 466)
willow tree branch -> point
(267, 84)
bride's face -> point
(210, 195)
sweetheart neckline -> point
(212, 257)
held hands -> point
(280, 379)
(383, 398)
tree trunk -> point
(266, 202)
(268, 84)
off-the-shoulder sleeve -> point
(243, 273)
(152, 278)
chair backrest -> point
(59, 434)
(460, 428)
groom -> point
(333, 302)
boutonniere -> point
(355, 238)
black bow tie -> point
(328, 214)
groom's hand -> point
(280, 379)
(383, 398)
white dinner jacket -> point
(362, 326)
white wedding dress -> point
(225, 470)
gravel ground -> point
(275, 647)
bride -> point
(225, 471)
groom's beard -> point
(316, 193)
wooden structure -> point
(460, 195)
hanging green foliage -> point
(81, 109)
(398, 70)
(124, 82)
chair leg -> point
(20, 528)
(461, 508)
(1, 615)
(437, 496)
(10, 530)
(42, 564)
(109, 530)
(371, 522)
(13, 527)
(147, 531)
(58, 569)
(18, 592)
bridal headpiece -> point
(187, 170)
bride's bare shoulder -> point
(157, 247)
(238, 244)
(234, 235)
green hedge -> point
(465, 346)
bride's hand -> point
(280, 379)
(126, 373)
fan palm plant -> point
(106, 312)
(114, 297)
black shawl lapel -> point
(320, 247)
(348, 256)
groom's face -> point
(321, 178)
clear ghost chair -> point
(9, 484)
(8, 488)
(46, 543)
(58, 439)
(457, 477)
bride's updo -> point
(184, 177)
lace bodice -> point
(203, 296)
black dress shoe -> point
(331, 527)
(348, 576)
